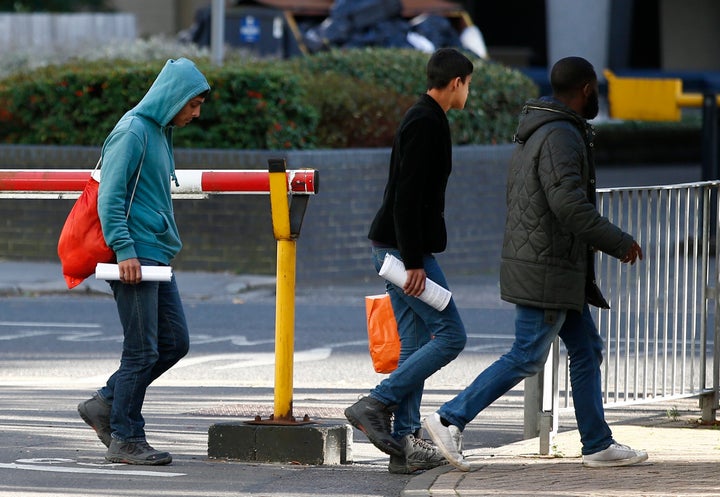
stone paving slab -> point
(683, 461)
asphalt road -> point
(55, 350)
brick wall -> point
(234, 232)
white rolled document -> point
(149, 273)
(434, 295)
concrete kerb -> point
(44, 278)
(315, 443)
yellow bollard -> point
(649, 99)
(284, 329)
(285, 293)
(645, 99)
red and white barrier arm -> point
(194, 183)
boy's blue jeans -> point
(429, 339)
(535, 331)
(155, 338)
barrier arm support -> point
(287, 219)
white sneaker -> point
(448, 440)
(615, 455)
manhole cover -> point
(265, 410)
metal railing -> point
(660, 340)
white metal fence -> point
(659, 334)
(49, 31)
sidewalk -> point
(683, 461)
(28, 278)
(683, 456)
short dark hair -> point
(571, 74)
(445, 65)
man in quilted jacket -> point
(552, 230)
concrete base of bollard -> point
(317, 443)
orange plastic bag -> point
(82, 245)
(383, 338)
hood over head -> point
(178, 83)
(537, 112)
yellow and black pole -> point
(286, 220)
(285, 293)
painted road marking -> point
(48, 325)
(51, 465)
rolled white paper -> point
(149, 273)
(434, 295)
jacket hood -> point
(178, 83)
(538, 112)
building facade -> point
(663, 35)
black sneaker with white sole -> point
(136, 453)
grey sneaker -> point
(615, 455)
(96, 414)
(136, 453)
(419, 455)
(372, 417)
(448, 440)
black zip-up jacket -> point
(553, 225)
(411, 217)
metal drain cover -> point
(265, 410)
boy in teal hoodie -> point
(136, 213)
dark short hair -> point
(445, 65)
(570, 74)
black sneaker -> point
(96, 413)
(372, 417)
(420, 455)
(136, 453)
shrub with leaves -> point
(336, 99)
(355, 113)
(250, 107)
(497, 92)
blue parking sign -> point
(249, 29)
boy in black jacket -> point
(410, 225)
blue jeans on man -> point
(429, 340)
(155, 338)
(535, 332)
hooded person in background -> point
(136, 213)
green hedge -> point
(331, 100)
(497, 92)
(253, 107)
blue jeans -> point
(535, 331)
(155, 338)
(429, 339)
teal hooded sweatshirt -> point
(141, 143)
